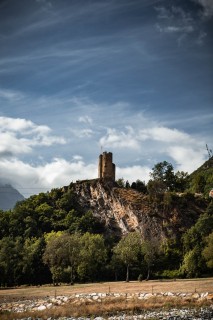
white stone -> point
(148, 295)
(195, 295)
(42, 307)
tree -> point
(181, 181)
(34, 270)
(73, 247)
(93, 256)
(156, 188)
(192, 263)
(164, 172)
(128, 249)
(150, 248)
(11, 253)
(208, 251)
(127, 185)
(120, 182)
(199, 183)
(194, 244)
(55, 256)
(62, 251)
(139, 186)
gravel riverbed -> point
(47, 303)
(173, 314)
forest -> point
(49, 238)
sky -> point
(79, 77)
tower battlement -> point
(106, 168)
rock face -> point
(123, 210)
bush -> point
(170, 274)
(140, 277)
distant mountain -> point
(9, 196)
(201, 180)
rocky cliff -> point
(122, 210)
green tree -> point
(208, 251)
(156, 189)
(4, 223)
(164, 172)
(192, 263)
(194, 243)
(11, 253)
(181, 181)
(139, 186)
(72, 245)
(93, 256)
(55, 256)
(67, 202)
(120, 182)
(128, 249)
(127, 185)
(62, 252)
(44, 212)
(150, 249)
(199, 183)
(33, 269)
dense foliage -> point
(49, 237)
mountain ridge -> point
(9, 196)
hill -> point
(80, 228)
(9, 197)
(201, 180)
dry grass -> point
(110, 305)
(107, 307)
(187, 286)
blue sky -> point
(77, 77)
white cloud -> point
(173, 29)
(22, 125)
(82, 133)
(187, 158)
(158, 142)
(29, 179)
(164, 134)
(122, 139)
(77, 157)
(19, 136)
(10, 95)
(85, 119)
(132, 173)
(142, 139)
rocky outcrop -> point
(123, 210)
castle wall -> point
(100, 166)
(106, 168)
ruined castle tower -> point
(106, 169)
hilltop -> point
(201, 180)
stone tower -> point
(106, 169)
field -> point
(22, 293)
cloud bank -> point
(19, 137)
